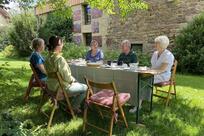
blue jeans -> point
(44, 79)
(79, 92)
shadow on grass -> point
(180, 118)
(177, 119)
(23, 111)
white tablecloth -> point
(126, 81)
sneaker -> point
(133, 110)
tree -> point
(22, 32)
(24, 4)
(189, 49)
(3, 2)
(56, 23)
(118, 7)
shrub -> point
(189, 49)
(4, 37)
(111, 54)
(73, 51)
(144, 59)
(22, 33)
(9, 51)
(56, 23)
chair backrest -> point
(61, 84)
(59, 79)
(173, 71)
(36, 76)
(109, 86)
(56, 93)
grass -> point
(184, 116)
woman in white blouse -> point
(162, 59)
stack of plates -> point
(92, 64)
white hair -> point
(126, 42)
(163, 41)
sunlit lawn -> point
(184, 116)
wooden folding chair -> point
(55, 99)
(33, 82)
(109, 99)
(171, 84)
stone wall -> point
(164, 17)
(97, 27)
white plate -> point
(143, 68)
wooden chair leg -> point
(85, 118)
(28, 90)
(52, 114)
(111, 124)
(168, 96)
(156, 89)
(69, 105)
(123, 116)
(175, 91)
(41, 102)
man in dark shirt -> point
(127, 56)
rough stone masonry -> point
(164, 17)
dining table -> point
(138, 82)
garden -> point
(184, 116)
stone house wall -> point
(97, 27)
(164, 17)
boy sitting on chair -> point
(37, 62)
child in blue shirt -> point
(36, 58)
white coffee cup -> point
(133, 66)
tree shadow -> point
(29, 110)
(177, 119)
(162, 121)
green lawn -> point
(184, 116)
